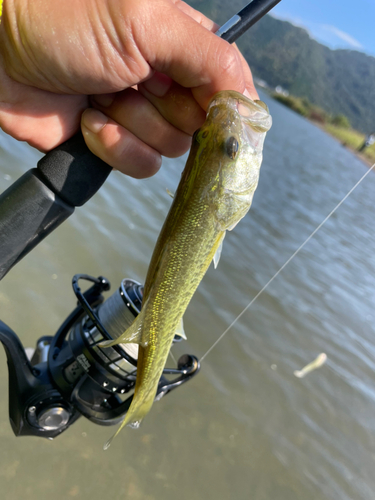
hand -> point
(147, 68)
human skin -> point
(137, 75)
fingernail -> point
(252, 97)
(158, 84)
(104, 100)
(94, 120)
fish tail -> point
(137, 411)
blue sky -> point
(348, 24)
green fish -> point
(215, 191)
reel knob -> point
(53, 419)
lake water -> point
(245, 427)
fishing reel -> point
(71, 375)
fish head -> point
(230, 145)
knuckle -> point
(230, 64)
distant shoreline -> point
(355, 152)
(337, 127)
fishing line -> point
(285, 264)
(172, 356)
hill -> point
(339, 81)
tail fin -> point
(137, 411)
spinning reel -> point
(70, 375)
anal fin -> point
(132, 335)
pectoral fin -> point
(218, 251)
(133, 418)
(170, 193)
(180, 330)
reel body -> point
(70, 375)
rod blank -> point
(247, 17)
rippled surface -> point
(245, 427)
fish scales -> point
(214, 193)
(174, 273)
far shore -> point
(337, 127)
(356, 153)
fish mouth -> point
(238, 115)
(251, 113)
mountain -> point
(339, 81)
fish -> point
(215, 192)
(317, 363)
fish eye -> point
(231, 147)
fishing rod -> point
(244, 19)
(69, 374)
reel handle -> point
(33, 399)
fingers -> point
(130, 134)
(159, 117)
(117, 146)
(188, 52)
(133, 111)
(178, 105)
(174, 102)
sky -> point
(340, 24)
